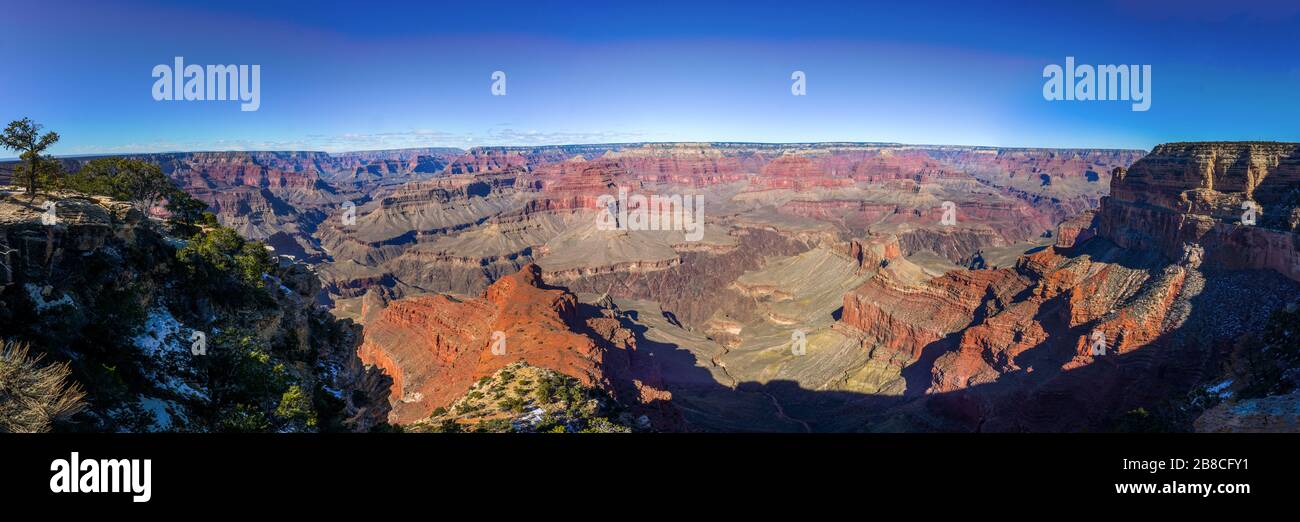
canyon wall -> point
(1194, 193)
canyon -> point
(835, 287)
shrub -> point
(187, 212)
(546, 390)
(244, 419)
(139, 182)
(603, 425)
(493, 426)
(514, 404)
(224, 265)
(241, 370)
(33, 397)
(447, 426)
(574, 395)
(295, 407)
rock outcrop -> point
(1200, 193)
(435, 347)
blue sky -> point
(388, 75)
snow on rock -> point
(1221, 389)
(38, 297)
(529, 420)
(167, 415)
(168, 362)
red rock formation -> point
(1020, 355)
(1092, 294)
(1076, 230)
(799, 172)
(874, 252)
(491, 159)
(576, 184)
(887, 165)
(901, 315)
(686, 164)
(273, 170)
(435, 347)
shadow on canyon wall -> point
(1034, 395)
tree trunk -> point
(31, 177)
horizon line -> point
(631, 144)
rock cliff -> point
(1199, 193)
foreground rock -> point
(166, 338)
(526, 399)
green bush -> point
(546, 390)
(139, 182)
(224, 265)
(514, 404)
(493, 426)
(243, 418)
(188, 212)
(295, 407)
(447, 426)
(241, 370)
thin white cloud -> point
(373, 141)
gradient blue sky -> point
(387, 75)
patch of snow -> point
(1221, 389)
(159, 330)
(168, 361)
(337, 393)
(159, 408)
(529, 420)
(275, 281)
(329, 373)
(36, 294)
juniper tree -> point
(24, 136)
